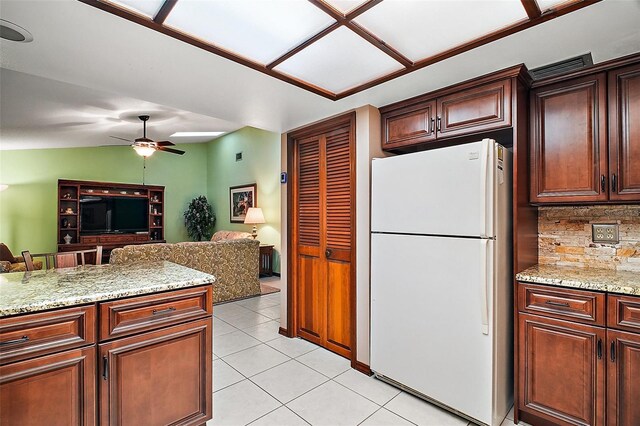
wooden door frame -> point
(292, 233)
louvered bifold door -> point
(310, 275)
(339, 210)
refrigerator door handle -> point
(484, 177)
(484, 283)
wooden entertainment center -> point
(70, 193)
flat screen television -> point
(113, 215)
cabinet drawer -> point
(31, 335)
(89, 240)
(624, 312)
(128, 316)
(576, 305)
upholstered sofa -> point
(11, 263)
(234, 263)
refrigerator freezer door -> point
(428, 298)
(446, 191)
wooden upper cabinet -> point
(409, 126)
(478, 109)
(569, 141)
(624, 133)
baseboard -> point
(361, 367)
(284, 332)
(276, 274)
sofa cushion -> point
(230, 235)
(142, 252)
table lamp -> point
(253, 217)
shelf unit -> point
(70, 193)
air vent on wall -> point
(562, 67)
(238, 156)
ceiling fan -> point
(145, 146)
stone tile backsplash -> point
(564, 237)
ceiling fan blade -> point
(171, 150)
(165, 143)
(122, 139)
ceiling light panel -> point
(421, 29)
(339, 61)
(260, 30)
(148, 8)
(345, 6)
(550, 4)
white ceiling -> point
(81, 45)
(38, 112)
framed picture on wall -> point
(240, 199)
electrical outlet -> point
(605, 233)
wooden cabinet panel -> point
(158, 378)
(339, 311)
(311, 299)
(50, 390)
(624, 312)
(623, 386)
(561, 370)
(576, 305)
(409, 126)
(27, 336)
(136, 314)
(569, 141)
(479, 109)
(624, 133)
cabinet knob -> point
(328, 252)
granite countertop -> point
(25, 292)
(621, 282)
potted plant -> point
(199, 218)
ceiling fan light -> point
(144, 151)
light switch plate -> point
(605, 233)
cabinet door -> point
(479, 109)
(409, 126)
(158, 378)
(50, 390)
(624, 133)
(562, 371)
(624, 379)
(569, 141)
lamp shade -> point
(144, 151)
(254, 215)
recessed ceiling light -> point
(195, 134)
(13, 32)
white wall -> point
(367, 147)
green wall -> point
(260, 164)
(28, 206)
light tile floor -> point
(263, 378)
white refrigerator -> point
(441, 277)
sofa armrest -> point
(18, 259)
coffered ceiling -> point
(336, 48)
(127, 68)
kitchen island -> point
(107, 344)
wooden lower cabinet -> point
(138, 386)
(623, 388)
(562, 371)
(50, 390)
(571, 373)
